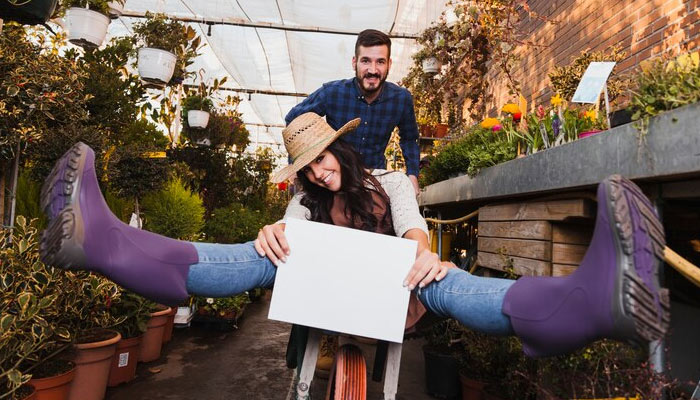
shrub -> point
(234, 224)
(28, 202)
(174, 211)
(134, 311)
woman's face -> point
(324, 171)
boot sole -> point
(645, 308)
(60, 242)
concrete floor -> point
(248, 363)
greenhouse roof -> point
(274, 52)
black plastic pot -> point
(28, 12)
(441, 374)
(620, 117)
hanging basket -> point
(156, 65)
(115, 9)
(197, 118)
(86, 28)
(28, 13)
(431, 65)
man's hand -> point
(414, 181)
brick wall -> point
(643, 29)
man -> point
(381, 105)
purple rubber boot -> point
(83, 233)
(614, 293)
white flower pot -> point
(431, 65)
(184, 315)
(115, 9)
(156, 65)
(204, 142)
(197, 118)
(85, 27)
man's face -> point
(371, 67)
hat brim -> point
(291, 169)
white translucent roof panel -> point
(274, 60)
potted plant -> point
(116, 7)
(184, 313)
(198, 103)
(168, 48)
(87, 21)
(29, 12)
(136, 310)
(35, 330)
(152, 341)
(222, 313)
(441, 364)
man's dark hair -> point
(370, 38)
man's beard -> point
(361, 79)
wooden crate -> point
(540, 238)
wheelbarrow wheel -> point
(348, 376)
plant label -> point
(593, 81)
(343, 280)
(123, 360)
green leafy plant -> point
(31, 327)
(101, 6)
(664, 84)
(134, 311)
(160, 32)
(174, 211)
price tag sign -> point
(593, 82)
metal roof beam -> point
(264, 25)
(253, 91)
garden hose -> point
(453, 221)
(680, 264)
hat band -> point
(308, 149)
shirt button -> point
(365, 122)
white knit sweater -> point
(402, 198)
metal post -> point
(439, 243)
(656, 348)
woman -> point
(614, 293)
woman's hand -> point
(272, 243)
(427, 268)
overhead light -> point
(209, 29)
(250, 96)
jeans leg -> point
(228, 269)
(474, 301)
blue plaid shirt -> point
(341, 101)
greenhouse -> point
(303, 199)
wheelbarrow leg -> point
(309, 364)
(391, 377)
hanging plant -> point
(29, 12)
(169, 47)
(87, 21)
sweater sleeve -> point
(295, 209)
(404, 206)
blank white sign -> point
(343, 280)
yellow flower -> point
(556, 100)
(591, 114)
(511, 108)
(488, 123)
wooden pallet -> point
(541, 238)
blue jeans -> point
(228, 269)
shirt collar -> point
(386, 93)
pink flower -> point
(540, 112)
(496, 128)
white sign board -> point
(343, 280)
(593, 82)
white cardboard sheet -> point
(344, 280)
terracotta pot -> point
(441, 130)
(54, 387)
(168, 331)
(471, 389)
(92, 362)
(152, 340)
(123, 367)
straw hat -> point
(305, 138)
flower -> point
(496, 127)
(556, 125)
(511, 108)
(210, 300)
(556, 100)
(489, 123)
(591, 114)
(517, 116)
(540, 112)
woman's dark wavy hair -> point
(357, 196)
